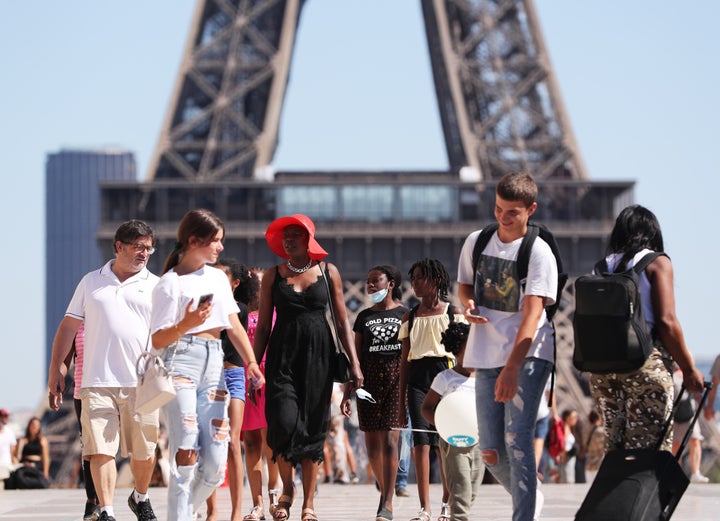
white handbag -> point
(154, 386)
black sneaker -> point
(105, 517)
(142, 510)
(92, 512)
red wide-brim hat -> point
(274, 235)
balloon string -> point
(413, 430)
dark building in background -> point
(72, 218)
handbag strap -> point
(338, 343)
(147, 354)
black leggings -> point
(87, 475)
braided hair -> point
(434, 270)
(455, 336)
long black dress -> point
(299, 384)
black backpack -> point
(534, 231)
(611, 334)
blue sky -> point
(639, 81)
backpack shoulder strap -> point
(600, 267)
(646, 261)
(523, 258)
(411, 317)
(483, 239)
(451, 312)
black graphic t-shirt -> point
(379, 330)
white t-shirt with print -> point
(489, 345)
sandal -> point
(256, 514)
(273, 494)
(308, 514)
(444, 512)
(282, 510)
(423, 515)
(384, 514)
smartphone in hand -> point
(205, 298)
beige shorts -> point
(109, 423)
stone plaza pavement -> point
(344, 503)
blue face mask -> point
(378, 296)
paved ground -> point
(345, 503)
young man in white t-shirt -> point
(114, 304)
(511, 341)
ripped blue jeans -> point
(507, 429)
(197, 420)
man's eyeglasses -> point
(141, 247)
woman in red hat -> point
(299, 354)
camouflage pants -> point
(635, 406)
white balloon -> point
(456, 419)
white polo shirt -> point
(117, 323)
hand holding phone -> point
(205, 298)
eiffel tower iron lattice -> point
(225, 109)
(500, 106)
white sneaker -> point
(539, 502)
(699, 478)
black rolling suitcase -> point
(639, 484)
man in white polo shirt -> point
(114, 303)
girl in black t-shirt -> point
(376, 342)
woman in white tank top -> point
(635, 406)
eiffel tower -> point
(500, 106)
(500, 109)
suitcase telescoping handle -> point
(703, 399)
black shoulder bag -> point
(340, 365)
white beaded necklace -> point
(299, 270)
